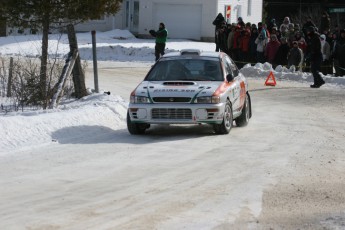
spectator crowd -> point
(287, 44)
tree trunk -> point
(78, 73)
(44, 61)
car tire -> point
(136, 128)
(226, 125)
(243, 119)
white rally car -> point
(191, 87)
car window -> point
(186, 70)
(230, 67)
(158, 72)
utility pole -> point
(94, 55)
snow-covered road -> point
(284, 170)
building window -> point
(249, 9)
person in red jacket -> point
(244, 47)
(236, 44)
(272, 48)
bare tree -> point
(42, 14)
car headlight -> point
(139, 100)
(208, 100)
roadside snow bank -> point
(20, 130)
(260, 70)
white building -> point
(189, 19)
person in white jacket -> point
(326, 67)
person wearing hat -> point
(315, 57)
(218, 22)
(240, 22)
(326, 53)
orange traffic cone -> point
(270, 83)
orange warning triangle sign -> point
(272, 78)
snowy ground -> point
(77, 167)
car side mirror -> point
(229, 77)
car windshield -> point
(186, 70)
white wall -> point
(210, 9)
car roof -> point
(193, 53)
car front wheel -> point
(226, 125)
(136, 128)
(243, 119)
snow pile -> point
(101, 111)
(262, 71)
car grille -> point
(172, 99)
(171, 114)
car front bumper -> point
(161, 113)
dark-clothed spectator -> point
(339, 54)
(295, 56)
(282, 53)
(230, 41)
(298, 36)
(272, 24)
(240, 22)
(272, 48)
(309, 23)
(218, 22)
(221, 38)
(252, 45)
(325, 23)
(297, 28)
(334, 54)
(334, 60)
(315, 57)
(329, 37)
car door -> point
(235, 89)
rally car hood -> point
(177, 88)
